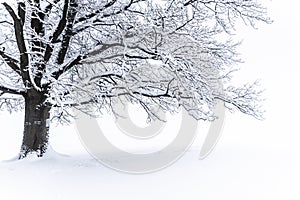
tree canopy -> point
(91, 54)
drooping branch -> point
(11, 62)
(244, 99)
(228, 10)
(5, 22)
(5, 89)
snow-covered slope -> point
(246, 164)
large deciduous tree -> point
(87, 54)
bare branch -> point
(11, 91)
(91, 15)
(59, 29)
(6, 22)
(13, 63)
(68, 66)
(72, 11)
(18, 26)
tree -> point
(89, 54)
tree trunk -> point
(36, 125)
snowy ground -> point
(253, 160)
(228, 174)
(248, 163)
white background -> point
(253, 160)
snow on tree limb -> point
(92, 54)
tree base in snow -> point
(26, 152)
(50, 153)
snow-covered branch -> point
(5, 89)
(164, 54)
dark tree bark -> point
(36, 124)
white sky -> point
(271, 53)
